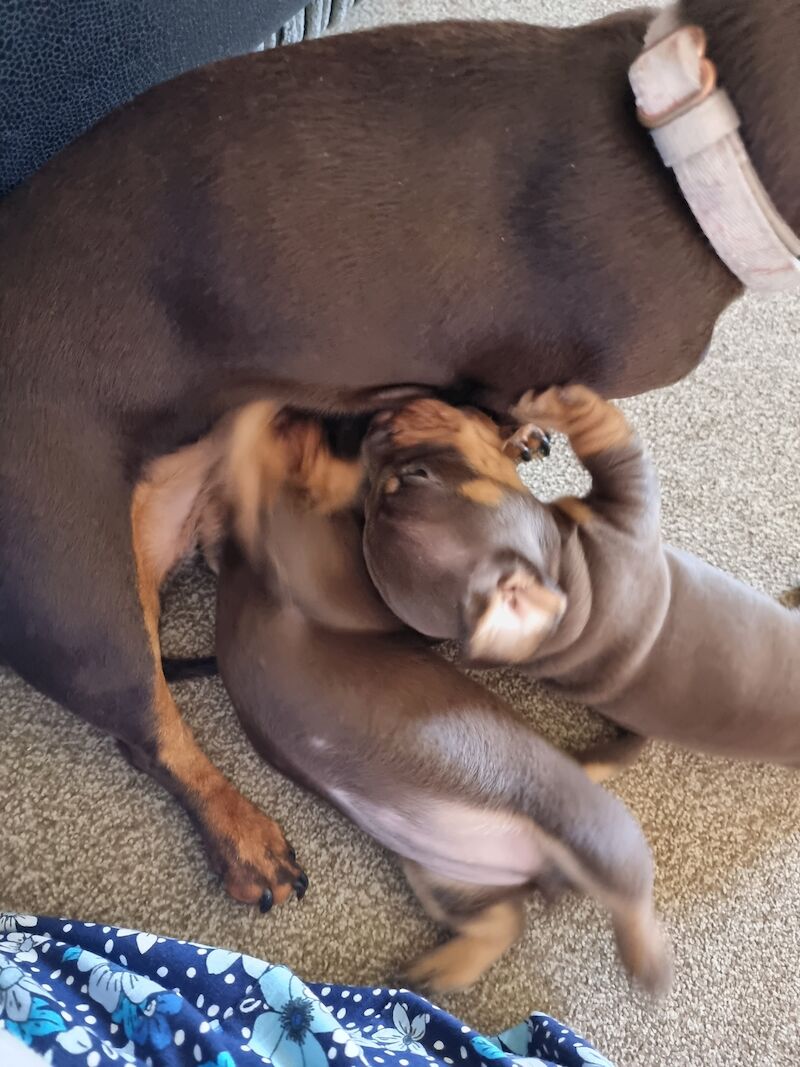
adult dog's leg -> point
(79, 620)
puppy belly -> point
(454, 839)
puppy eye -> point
(416, 473)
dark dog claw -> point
(266, 901)
(292, 855)
(301, 885)
(545, 446)
(525, 454)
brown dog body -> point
(583, 595)
(458, 206)
(335, 692)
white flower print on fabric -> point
(17, 991)
(22, 946)
(10, 921)
(80, 1040)
(109, 983)
(220, 960)
(25, 1007)
(406, 1034)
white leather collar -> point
(695, 128)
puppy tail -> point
(177, 669)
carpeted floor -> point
(86, 836)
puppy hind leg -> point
(486, 923)
(642, 944)
(607, 759)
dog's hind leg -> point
(485, 922)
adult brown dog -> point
(469, 206)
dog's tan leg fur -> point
(247, 848)
(607, 759)
(482, 936)
(575, 509)
(592, 424)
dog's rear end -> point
(336, 694)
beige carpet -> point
(86, 836)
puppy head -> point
(455, 543)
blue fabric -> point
(83, 995)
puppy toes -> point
(555, 409)
(526, 442)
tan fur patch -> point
(601, 772)
(479, 943)
(168, 504)
(472, 434)
(245, 843)
(592, 424)
(330, 483)
(253, 469)
(574, 508)
(482, 491)
(268, 453)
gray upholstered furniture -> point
(66, 63)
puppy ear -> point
(510, 609)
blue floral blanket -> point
(76, 994)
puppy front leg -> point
(592, 424)
(624, 479)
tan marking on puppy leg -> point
(643, 946)
(484, 931)
(482, 491)
(601, 772)
(246, 847)
(591, 423)
(480, 942)
(607, 759)
(574, 508)
(471, 433)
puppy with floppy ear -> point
(509, 609)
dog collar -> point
(695, 128)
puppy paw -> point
(645, 951)
(527, 442)
(591, 423)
